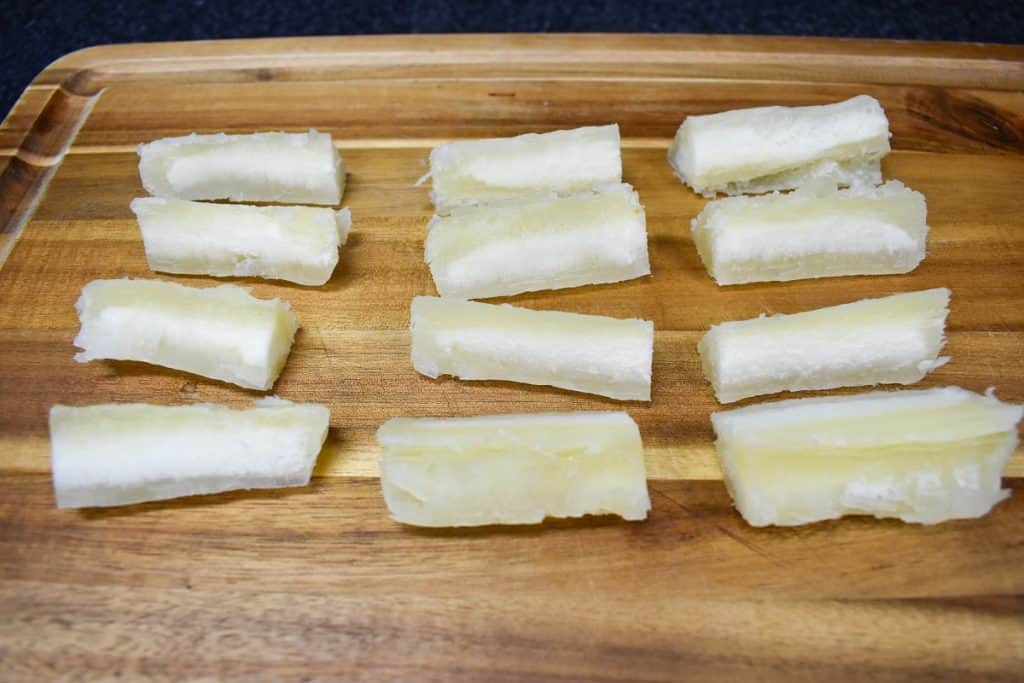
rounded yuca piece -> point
(122, 453)
(919, 456)
(894, 339)
(817, 231)
(563, 161)
(291, 168)
(525, 245)
(591, 353)
(780, 148)
(220, 332)
(294, 243)
(512, 469)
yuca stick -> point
(920, 456)
(533, 244)
(121, 453)
(817, 231)
(512, 469)
(220, 332)
(895, 339)
(564, 161)
(291, 168)
(781, 148)
(590, 353)
(294, 243)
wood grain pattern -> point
(317, 583)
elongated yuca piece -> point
(121, 453)
(895, 339)
(817, 231)
(780, 148)
(295, 243)
(525, 245)
(591, 353)
(220, 332)
(563, 161)
(512, 469)
(921, 456)
(297, 168)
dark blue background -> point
(33, 34)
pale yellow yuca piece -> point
(564, 162)
(525, 245)
(895, 339)
(591, 353)
(295, 168)
(220, 332)
(781, 148)
(512, 469)
(817, 231)
(920, 456)
(295, 243)
(122, 453)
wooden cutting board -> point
(318, 583)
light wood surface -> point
(318, 583)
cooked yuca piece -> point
(590, 353)
(295, 243)
(297, 168)
(781, 148)
(512, 469)
(895, 339)
(817, 231)
(921, 456)
(121, 453)
(221, 332)
(563, 161)
(525, 245)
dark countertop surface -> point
(35, 33)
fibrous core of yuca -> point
(290, 168)
(512, 469)
(539, 243)
(919, 456)
(563, 162)
(122, 453)
(220, 332)
(780, 148)
(590, 353)
(894, 339)
(817, 231)
(294, 243)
